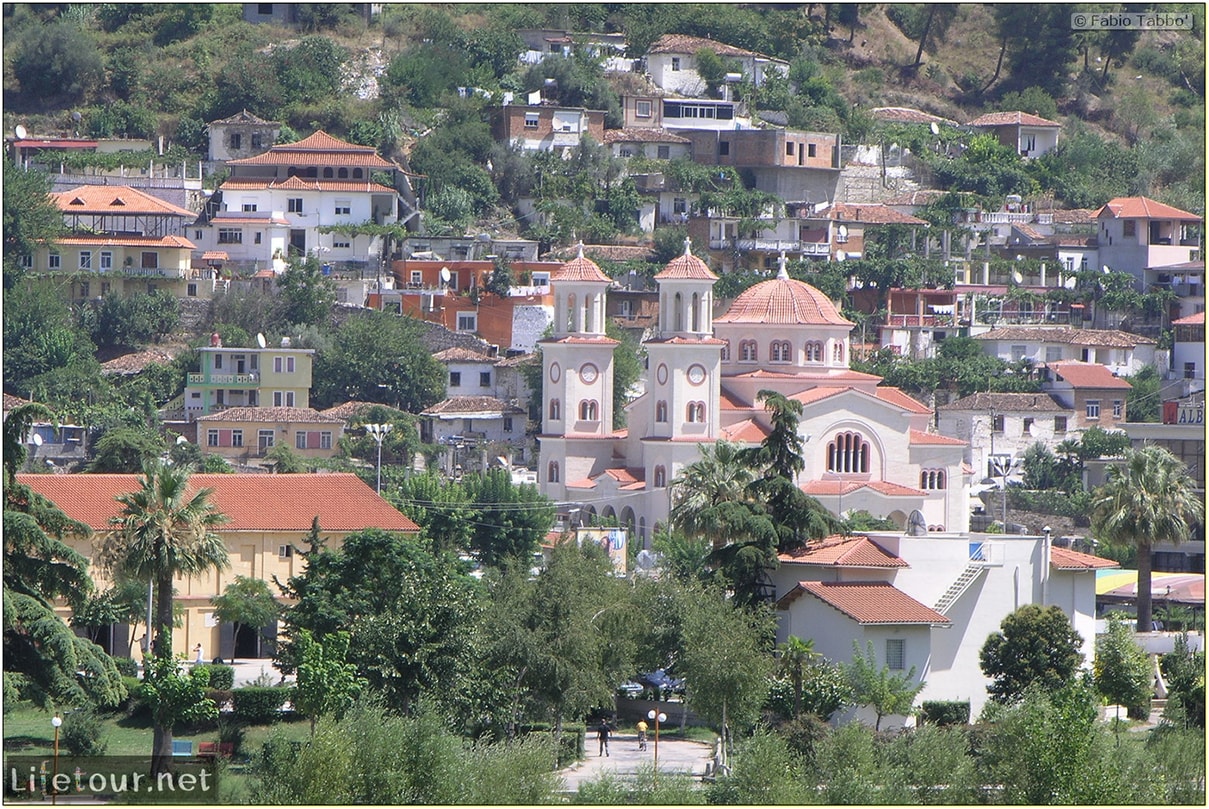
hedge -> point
(221, 677)
(936, 712)
(258, 705)
(221, 697)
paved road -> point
(625, 758)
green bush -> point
(571, 743)
(221, 677)
(127, 666)
(81, 734)
(937, 712)
(219, 696)
(259, 705)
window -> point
(1017, 353)
(484, 379)
(294, 204)
(84, 289)
(1028, 425)
(358, 174)
(151, 260)
(191, 290)
(106, 260)
(932, 479)
(848, 452)
(661, 411)
(325, 439)
(257, 141)
(85, 260)
(726, 351)
(810, 147)
(343, 207)
(696, 412)
(837, 352)
(230, 236)
(1059, 424)
(507, 424)
(747, 351)
(814, 352)
(417, 277)
(300, 440)
(1129, 228)
(531, 119)
(264, 440)
(285, 551)
(468, 321)
(256, 237)
(589, 410)
(218, 362)
(663, 152)
(896, 654)
(996, 423)
(679, 205)
(723, 148)
(455, 379)
(1116, 408)
(289, 365)
(642, 109)
(1053, 353)
(660, 477)
(555, 410)
(249, 207)
(789, 149)
(552, 472)
(54, 261)
(780, 351)
(1093, 408)
(236, 140)
(211, 438)
(237, 438)
(1029, 144)
(1190, 370)
(341, 242)
(283, 398)
(675, 63)
(105, 288)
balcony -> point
(224, 379)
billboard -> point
(613, 540)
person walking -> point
(603, 736)
(642, 734)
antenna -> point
(260, 341)
(20, 132)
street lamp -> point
(54, 779)
(379, 432)
(656, 717)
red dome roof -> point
(686, 266)
(580, 269)
(783, 301)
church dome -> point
(686, 266)
(784, 301)
(580, 269)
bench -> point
(215, 749)
(182, 749)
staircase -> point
(963, 582)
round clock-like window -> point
(555, 372)
(696, 374)
(588, 373)
(661, 374)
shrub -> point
(258, 705)
(127, 667)
(219, 696)
(221, 677)
(231, 733)
(571, 743)
(81, 734)
(937, 712)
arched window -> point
(678, 312)
(932, 479)
(343, 174)
(848, 452)
(313, 171)
(837, 351)
(660, 477)
(661, 411)
(292, 171)
(571, 313)
(696, 412)
(780, 351)
(358, 174)
(556, 410)
(814, 352)
(327, 173)
(552, 472)
(695, 314)
(726, 351)
(589, 410)
(747, 351)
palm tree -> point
(1148, 499)
(163, 530)
(719, 476)
(797, 654)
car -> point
(631, 689)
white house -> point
(1030, 135)
(929, 601)
(1005, 424)
(1119, 351)
(1136, 233)
(671, 62)
(1188, 352)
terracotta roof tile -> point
(1143, 208)
(686, 266)
(873, 602)
(783, 301)
(305, 184)
(922, 196)
(921, 437)
(748, 431)
(906, 115)
(683, 43)
(580, 268)
(116, 199)
(1066, 559)
(463, 405)
(1003, 118)
(833, 488)
(459, 354)
(319, 149)
(1088, 375)
(516, 362)
(239, 218)
(727, 401)
(342, 502)
(871, 214)
(11, 401)
(1006, 403)
(640, 134)
(1106, 338)
(103, 240)
(893, 395)
(265, 415)
(245, 117)
(1197, 319)
(838, 551)
(607, 252)
(1072, 216)
(136, 361)
(350, 409)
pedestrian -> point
(200, 654)
(603, 736)
(641, 734)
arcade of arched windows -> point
(589, 410)
(695, 412)
(780, 351)
(814, 352)
(932, 479)
(848, 452)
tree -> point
(164, 529)
(796, 654)
(1142, 401)
(30, 219)
(307, 294)
(439, 507)
(126, 450)
(1148, 499)
(248, 603)
(40, 337)
(1035, 644)
(883, 690)
(510, 520)
(43, 658)
(58, 60)
(1122, 669)
(327, 683)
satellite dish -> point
(917, 526)
(260, 341)
(1070, 282)
(445, 275)
(1017, 277)
(76, 116)
(37, 440)
(1104, 269)
(20, 132)
(180, 439)
(645, 560)
(843, 230)
(935, 129)
(840, 255)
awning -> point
(215, 255)
(1180, 588)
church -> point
(865, 446)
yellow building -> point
(247, 434)
(269, 519)
(92, 266)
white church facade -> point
(866, 446)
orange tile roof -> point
(350, 409)
(580, 269)
(230, 218)
(642, 135)
(342, 502)
(727, 401)
(747, 431)
(872, 214)
(871, 602)
(922, 437)
(1066, 559)
(1088, 375)
(907, 115)
(783, 301)
(305, 184)
(1143, 208)
(102, 240)
(1192, 320)
(686, 266)
(1108, 338)
(1007, 403)
(578, 340)
(683, 43)
(116, 199)
(834, 488)
(136, 361)
(11, 401)
(319, 149)
(467, 405)
(1002, 118)
(264, 415)
(459, 354)
(245, 117)
(893, 395)
(840, 551)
